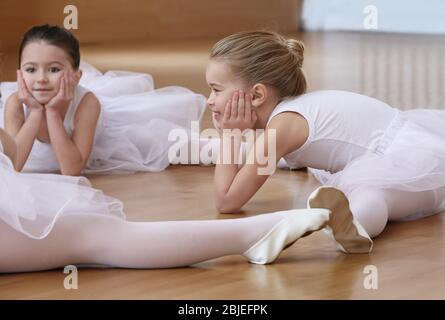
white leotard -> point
(342, 126)
(389, 163)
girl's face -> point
(223, 83)
(42, 66)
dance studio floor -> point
(409, 257)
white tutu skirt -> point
(132, 133)
(410, 157)
(32, 203)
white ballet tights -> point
(373, 208)
(106, 240)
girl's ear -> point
(259, 94)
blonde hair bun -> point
(296, 47)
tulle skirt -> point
(132, 133)
(410, 157)
(32, 203)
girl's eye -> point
(216, 90)
(54, 69)
(30, 69)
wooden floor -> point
(405, 71)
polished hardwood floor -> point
(409, 257)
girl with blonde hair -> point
(376, 163)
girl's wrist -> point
(34, 107)
(35, 111)
(230, 145)
(52, 114)
(52, 111)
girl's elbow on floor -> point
(74, 171)
(70, 172)
(224, 206)
(17, 166)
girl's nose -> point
(42, 77)
(210, 100)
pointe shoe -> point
(295, 225)
(346, 231)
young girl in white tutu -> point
(59, 124)
(49, 221)
(376, 163)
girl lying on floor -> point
(59, 124)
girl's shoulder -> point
(13, 98)
(83, 96)
(13, 104)
(292, 130)
(88, 106)
(80, 91)
(287, 121)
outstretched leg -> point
(106, 240)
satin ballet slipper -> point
(346, 231)
(294, 225)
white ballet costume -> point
(132, 132)
(389, 163)
(49, 221)
(31, 202)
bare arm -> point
(234, 186)
(72, 153)
(24, 131)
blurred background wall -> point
(401, 16)
(106, 21)
(391, 50)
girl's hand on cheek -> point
(65, 94)
(25, 96)
(238, 113)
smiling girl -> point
(47, 85)
(376, 163)
(67, 116)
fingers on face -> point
(72, 84)
(62, 85)
(22, 89)
(227, 110)
(241, 105)
(69, 84)
(234, 105)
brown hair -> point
(265, 57)
(56, 36)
